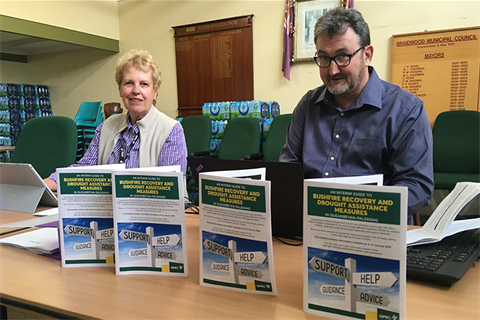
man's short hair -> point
(336, 21)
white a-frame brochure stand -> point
(354, 250)
(86, 215)
(149, 221)
(235, 231)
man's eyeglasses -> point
(342, 60)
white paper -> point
(40, 241)
(149, 221)
(354, 250)
(236, 250)
(256, 174)
(374, 179)
(48, 212)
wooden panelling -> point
(214, 63)
(440, 67)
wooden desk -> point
(41, 282)
(7, 216)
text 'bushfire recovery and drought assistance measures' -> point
(147, 186)
(352, 204)
(231, 195)
(87, 184)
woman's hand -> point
(51, 184)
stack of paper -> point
(40, 241)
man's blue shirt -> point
(385, 131)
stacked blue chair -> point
(89, 117)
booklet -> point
(86, 215)
(354, 249)
(441, 223)
(236, 250)
(149, 221)
(40, 241)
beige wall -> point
(95, 17)
(87, 74)
(158, 38)
(390, 17)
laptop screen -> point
(286, 190)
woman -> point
(142, 137)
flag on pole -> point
(287, 39)
(348, 3)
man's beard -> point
(345, 87)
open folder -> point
(22, 189)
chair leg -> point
(416, 219)
(3, 313)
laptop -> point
(286, 190)
(22, 189)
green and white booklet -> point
(354, 248)
(149, 221)
(86, 215)
(235, 231)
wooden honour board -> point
(440, 67)
(214, 63)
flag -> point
(287, 39)
(348, 3)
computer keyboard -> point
(444, 262)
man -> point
(355, 123)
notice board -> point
(214, 63)
(440, 67)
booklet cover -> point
(149, 221)
(86, 215)
(354, 250)
(235, 231)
